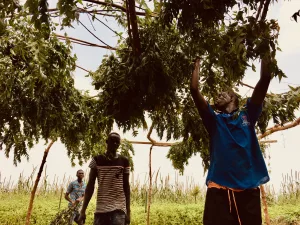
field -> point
(172, 204)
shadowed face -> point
(80, 174)
(223, 100)
(113, 143)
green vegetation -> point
(172, 203)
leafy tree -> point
(147, 75)
(150, 70)
(38, 98)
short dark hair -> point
(79, 170)
(115, 134)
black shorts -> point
(217, 207)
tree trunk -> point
(150, 186)
(136, 44)
(265, 206)
(36, 183)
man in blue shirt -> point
(237, 167)
(75, 195)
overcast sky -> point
(284, 155)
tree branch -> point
(259, 9)
(249, 86)
(149, 134)
(128, 22)
(106, 26)
(265, 11)
(78, 41)
(93, 34)
(136, 44)
(83, 69)
(279, 128)
(165, 144)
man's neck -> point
(230, 108)
(111, 155)
(79, 180)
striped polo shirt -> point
(110, 173)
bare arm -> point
(262, 86)
(67, 197)
(126, 187)
(89, 191)
(199, 100)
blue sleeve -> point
(254, 111)
(70, 188)
(209, 120)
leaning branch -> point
(78, 41)
(279, 128)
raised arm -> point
(262, 86)
(199, 100)
(89, 191)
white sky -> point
(284, 155)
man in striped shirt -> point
(113, 196)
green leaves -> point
(38, 10)
(37, 94)
(209, 13)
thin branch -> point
(265, 11)
(107, 4)
(83, 69)
(249, 86)
(268, 141)
(158, 144)
(107, 26)
(265, 205)
(259, 9)
(91, 22)
(150, 186)
(93, 34)
(279, 128)
(78, 41)
(82, 10)
(165, 144)
(149, 134)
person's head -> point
(80, 174)
(227, 101)
(113, 142)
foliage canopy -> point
(152, 80)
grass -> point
(178, 203)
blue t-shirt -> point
(236, 160)
(76, 190)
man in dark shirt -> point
(237, 167)
(113, 196)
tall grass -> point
(165, 190)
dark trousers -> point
(221, 209)
(116, 217)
